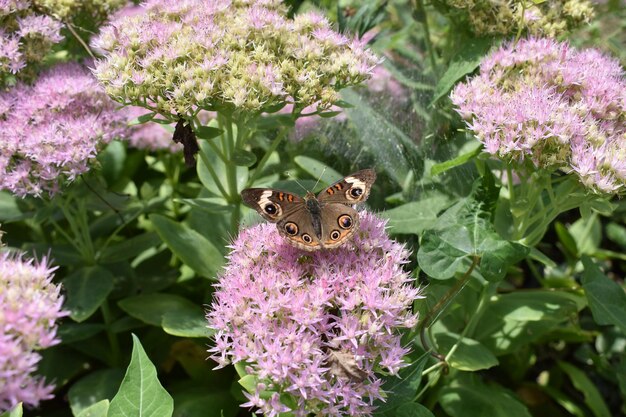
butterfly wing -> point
(273, 205)
(353, 189)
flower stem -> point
(436, 311)
(216, 179)
(259, 168)
(113, 342)
(420, 15)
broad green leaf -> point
(413, 410)
(74, 332)
(403, 389)
(469, 355)
(190, 246)
(566, 239)
(587, 232)
(14, 412)
(219, 168)
(87, 288)
(94, 388)
(442, 253)
(208, 132)
(208, 204)
(463, 64)
(152, 308)
(198, 402)
(99, 409)
(614, 231)
(513, 320)
(582, 383)
(606, 298)
(186, 322)
(497, 255)
(468, 396)
(9, 210)
(244, 158)
(465, 235)
(416, 216)
(62, 364)
(563, 400)
(459, 160)
(130, 248)
(317, 169)
(141, 394)
(112, 160)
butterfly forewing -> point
(353, 189)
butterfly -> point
(312, 222)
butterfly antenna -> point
(319, 178)
(296, 181)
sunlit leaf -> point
(141, 394)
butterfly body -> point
(314, 222)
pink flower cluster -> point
(52, 130)
(30, 304)
(546, 102)
(26, 37)
(314, 328)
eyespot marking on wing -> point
(268, 206)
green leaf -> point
(461, 234)
(587, 232)
(458, 161)
(403, 389)
(343, 104)
(469, 355)
(130, 248)
(186, 323)
(468, 396)
(75, 332)
(329, 114)
(87, 288)
(14, 412)
(497, 254)
(98, 386)
(566, 239)
(198, 402)
(441, 254)
(413, 410)
(9, 210)
(317, 169)
(606, 298)
(99, 409)
(208, 132)
(152, 308)
(213, 205)
(142, 119)
(244, 158)
(614, 231)
(514, 320)
(463, 63)
(416, 216)
(141, 394)
(582, 383)
(220, 170)
(190, 246)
